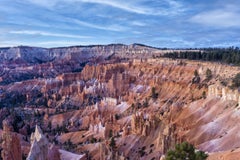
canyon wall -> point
(79, 53)
(23, 63)
(225, 93)
(147, 105)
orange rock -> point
(11, 143)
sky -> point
(158, 23)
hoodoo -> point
(39, 146)
(119, 106)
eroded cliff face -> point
(11, 147)
(25, 63)
(103, 95)
(79, 53)
(145, 105)
(223, 92)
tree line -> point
(229, 55)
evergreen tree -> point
(112, 143)
(196, 73)
(185, 151)
(208, 74)
(236, 81)
(154, 95)
(229, 55)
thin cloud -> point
(218, 18)
(44, 3)
(162, 23)
(60, 43)
(174, 7)
(119, 4)
(114, 27)
(42, 33)
(116, 4)
(137, 32)
(138, 23)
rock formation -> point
(167, 138)
(84, 95)
(11, 148)
(143, 123)
(53, 153)
(80, 53)
(39, 146)
(224, 93)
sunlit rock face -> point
(24, 63)
(39, 146)
(225, 93)
(81, 97)
(80, 53)
(11, 148)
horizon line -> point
(109, 44)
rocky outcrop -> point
(215, 91)
(146, 125)
(126, 130)
(143, 123)
(99, 100)
(39, 146)
(105, 80)
(11, 148)
(27, 54)
(97, 129)
(167, 138)
(24, 63)
(162, 158)
(224, 93)
(80, 53)
(53, 153)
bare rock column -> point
(39, 146)
(11, 143)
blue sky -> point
(159, 23)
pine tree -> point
(185, 151)
(208, 74)
(112, 143)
